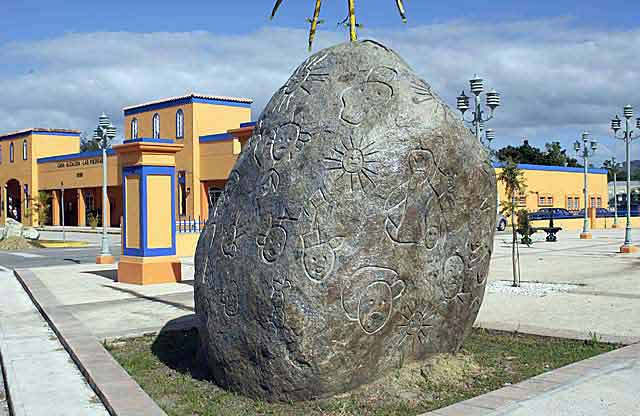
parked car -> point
(546, 213)
(501, 223)
(600, 212)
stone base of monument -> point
(628, 249)
(147, 271)
(105, 260)
(585, 236)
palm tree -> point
(351, 17)
(512, 177)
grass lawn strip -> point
(168, 369)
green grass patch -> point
(168, 369)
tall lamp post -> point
(490, 135)
(478, 119)
(586, 149)
(104, 135)
(614, 168)
(628, 136)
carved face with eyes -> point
(376, 304)
(318, 261)
(359, 100)
(453, 276)
(274, 243)
(284, 141)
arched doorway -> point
(14, 200)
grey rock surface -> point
(354, 233)
(12, 228)
(30, 233)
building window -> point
(134, 128)
(599, 202)
(11, 153)
(156, 126)
(179, 124)
(0, 154)
(573, 203)
(182, 193)
(545, 201)
(522, 200)
(24, 150)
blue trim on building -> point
(526, 166)
(143, 172)
(216, 137)
(248, 124)
(148, 140)
(184, 101)
(81, 155)
(41, 133)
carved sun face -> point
(353, 161)
(415, 327)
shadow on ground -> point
(152, 298)
(108, 274)
(178, 347)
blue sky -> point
(562, 66)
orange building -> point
(42, 167)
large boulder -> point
(12, 228)
(30, 233)
(354, 232)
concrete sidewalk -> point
(91, 294)
(605, 299)
(42, 379)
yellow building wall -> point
(78, 173)
(217, 159)
(559, 185)
(186, 244)
(158, 212)
(51, 145)
(575, 224)
(132, 204)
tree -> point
(351, 17)
(608, 165)
(553, 155)
(512, 178)
(88, 144)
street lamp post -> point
(104, 135)
(614, 166)
(586, 149)
(628, 137)
(490, 136)
(478, 119)
(64, 236)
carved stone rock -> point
(354, 233)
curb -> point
(119, 393)
(510, 397)
(557, 333)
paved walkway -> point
(606, 300)
(41, 377)
(90, 293)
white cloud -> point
(556, 78)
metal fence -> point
(189, 225)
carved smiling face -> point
(359, 100)
(453, 275)
(274, 243)
(318, 261)
(284, 141)
(353, 161)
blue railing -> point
(189, 225)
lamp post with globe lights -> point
(478, 119)
(586, 149)
(628, 136)
(104, 135)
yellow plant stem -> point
(314, 23)
(352, 20)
